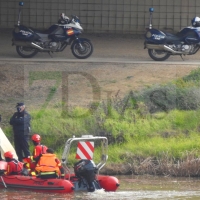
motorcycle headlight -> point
(148, 34)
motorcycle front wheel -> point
(26, 52)
(158, 55)
(82, 50)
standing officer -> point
(20, 122)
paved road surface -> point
(107, 48)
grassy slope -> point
(173, 134)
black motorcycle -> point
(161, 45)
(29, 41)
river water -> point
(131, 188)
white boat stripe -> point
(80, 153)
(85, 146)
(87, 149)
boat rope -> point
(14, 177)
(30, 178)
(40, 181)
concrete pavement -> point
(107, 48)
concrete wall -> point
(113, 16)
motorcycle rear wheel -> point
(158, 55)
(83, 51)
(26, 52)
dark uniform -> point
(21, 128)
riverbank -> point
(151, 166)
(145, 137)
(166, 144)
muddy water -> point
(131, 188)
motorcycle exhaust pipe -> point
(36, 46)
(155, 46)
(26, 44)
(166, 48)
(163, 47)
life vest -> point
(47, 163)
(18, 166)
(39, 150)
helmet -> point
(63, 19)
(8, 154)
(63, 16)
(36, 138)
(195, 22)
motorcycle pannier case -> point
(23, 33)
(155, 36)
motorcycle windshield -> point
(76, 19)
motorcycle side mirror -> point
(21, 3)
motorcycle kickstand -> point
(181, 57)
(50, 54)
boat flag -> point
(85, 150)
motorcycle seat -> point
(45, 32)
(172, 37)
(40, 33)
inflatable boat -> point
(86, 175)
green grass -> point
(174, 147)
(174, 134)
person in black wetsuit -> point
(20, 121)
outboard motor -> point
(86, 169)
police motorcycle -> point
(29, 41)
(161, 45)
